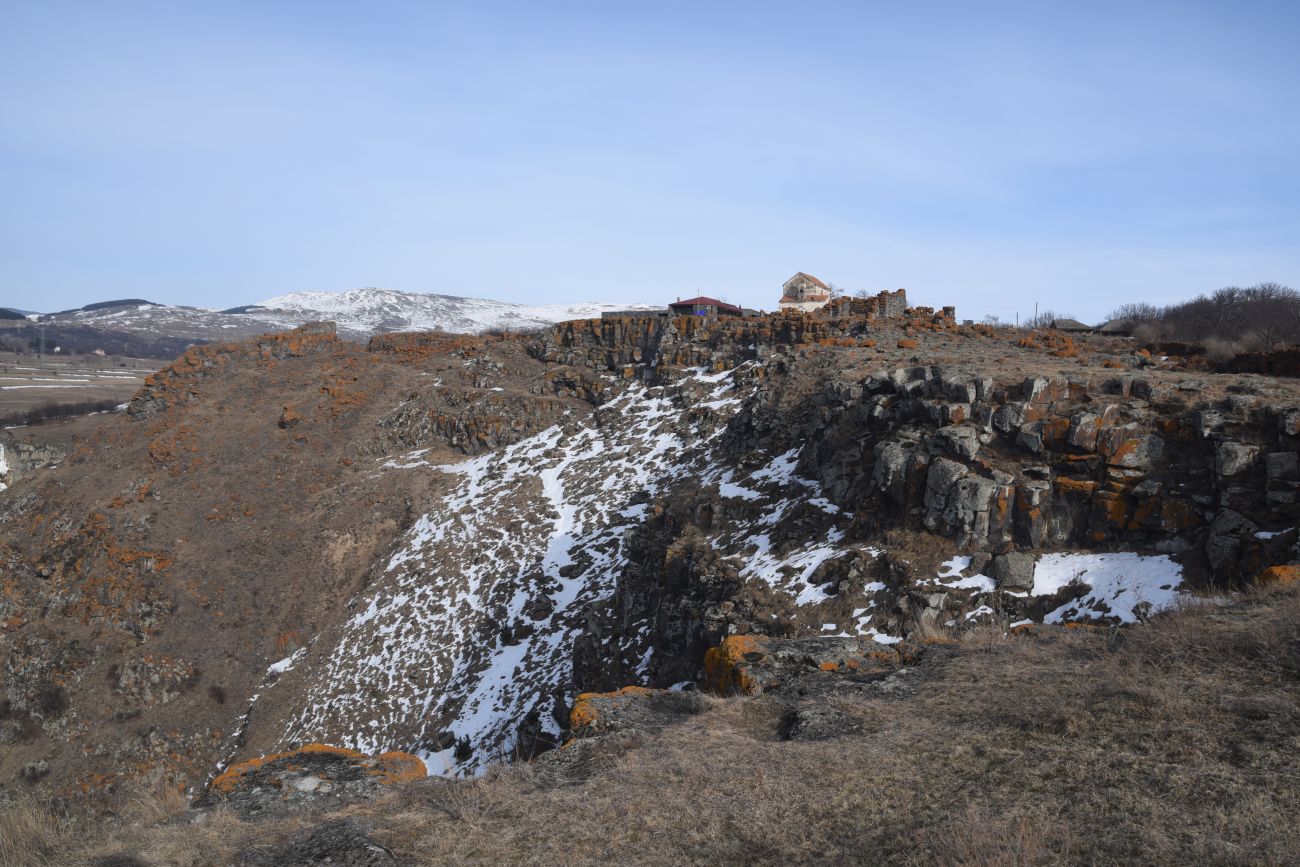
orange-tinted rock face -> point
(1275, 576)
(322, 761)
(728, 667)
(588, 706)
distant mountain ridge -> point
(358, 313)
(372, 310)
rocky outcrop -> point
(629, 710)
(178, 383)
(338, 842)
(313, 775)
(19, 459)
(798, 667)
(1048, 462)
(642, 347)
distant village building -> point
(1117, 328)
(702, 305)
(1073, 326)
(805, 293)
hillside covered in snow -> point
(358, 313)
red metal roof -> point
(705, 301)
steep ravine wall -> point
(950, 462)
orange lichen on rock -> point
(585, 712)
(289, 417)
(907, 343)
(229, 779)
(396, 766)
(1076, 486)
(1278, 576)
(724, 666)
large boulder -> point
(1014, 571)
(1128, 446)
(960, 440)
(1085, 426)
(940, 482)
(817, 722)
(797, 667)
(890, 474)
(630, 709)
(1223, 544)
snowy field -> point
(27, 381)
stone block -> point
(1233, 458)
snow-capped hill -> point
(358, 313)
(373, 310)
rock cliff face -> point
(436, 543)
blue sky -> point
(991, 155)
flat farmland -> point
(29, 383)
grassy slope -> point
(1174, 742)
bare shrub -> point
(1150, 332)
(1044, 319)
(1219, 349)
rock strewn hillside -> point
(285, 542)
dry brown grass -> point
(30, 835)
(1170, 743)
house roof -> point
(1116, 326)
(705, 301)
(810, 278)
(1069, 325)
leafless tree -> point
(1044, 319)
(1136, 311)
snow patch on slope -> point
(1125, 586)
(471, 629)
(469, 633)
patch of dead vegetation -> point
(1174, 742)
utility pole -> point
(40, 347)
(1035, 312)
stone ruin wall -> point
(883, 305)
(618, 343)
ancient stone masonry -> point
(884, 305)
(805, 293)
(637, 347)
